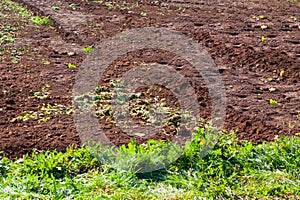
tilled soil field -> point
(255, 45)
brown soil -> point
(226, 28)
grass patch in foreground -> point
(229, 171)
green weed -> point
(73, 6)
(55, 8)
(43, 93)
(263, 39)
(274, 102)
(88, 49)
(72, 66)
(143, 14)
(40, 20)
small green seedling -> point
(38, 94)
(73, 6)
(88, 49)
(9, 39)
(8, 91)
(72, 66)
(257, 18)
(15, 60)
(69, 111)
(143, 63)
(263, 38)
(55, 8)
(4, 37)
(274, 102)
(181, 9)
(27, 116)
(281, 74)
(109, 5)
(40, 20)
(98, 1)
(143, 14)
(43, 93)
(46, 62)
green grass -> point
(230, 171)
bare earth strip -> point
(231, 32)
